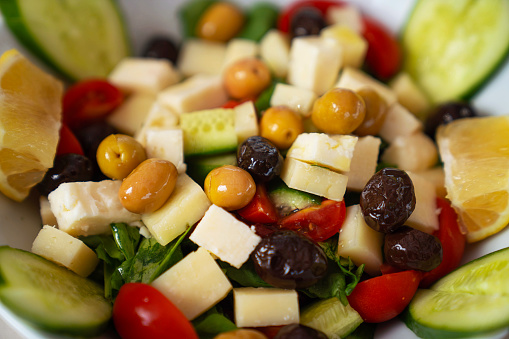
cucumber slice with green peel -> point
(80, 39)
(287, 200)
(470, 301)
(331, 317)
(453, 47)
(51, 297)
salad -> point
(296, 193)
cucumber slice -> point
(331, 317)
(453, 47)
(199, 167)
(287, 200)
(470, 301)
(80, 39)
(50, 296)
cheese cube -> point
(246, 121)
(314, 63)
(415, 152)
(355, 79)
(425, 215)
(399, 122)
(201, 57)
(353, 45)
(332, 151)
(436, 176)
(238, 49)
(275, 52)
(360, 242)
(258, 307)
(196, 93)
(347, 15)
(226, 237)
(145, 75)
(63, 249)
(128, 118)
(158, 116)
(47, 217)
(300, 100)
(186, 205)
(167, 144)
(314, 179)
(410, 95)
(364, 161)
(194, 284)
(88, 208)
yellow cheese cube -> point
(300, 100)
(238, 49)
(347, 15)
(128, 118)
(399, 122)
(47, 217)
(425, 215)
(353, 45)
(415, 152)
(159, 116)
(275, 52)
(364, 161)
(410, 95)
(246, 121)
(201, 57)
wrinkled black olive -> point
(445, 113)
(388, 200)
(306, 21)
(66, 168)
(161, 48)
(288, 260)
(411, 249)
(260, 158)
(299, 331)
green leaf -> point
(245, 275)
(211, 323)
(126, 237)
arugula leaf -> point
(126, 237)
(211, 323)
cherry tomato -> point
(383, 57)
(234, 103)
(318, 223)
(89, 101)
(260, 209)
(453, 243)
(286, 16)
(68, 143)
(382, 298)
(141, 311)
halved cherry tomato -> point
(67, 142)
(318, 223)
(285, 17)
(141, 311)
(382, 298)
(260, 209)
(89, 101)
(383, 57)
(453, 243)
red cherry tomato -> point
(89, 101)
(260, 209)
(234, 103)
(318, 223)
(382, 298)
(453, 243)
(68, 143)
(141, 311)
(286, 16)
(383, 57)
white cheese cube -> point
(410, 95)
(194, 94)
(332, 151)
(159, 116)
(88, 208)
(352, 43)
(238, 49)
(186, 205)
(128, 118)
(314, 179)
(47, 216)
(258, 307)
(225, 236)
(314, 63)
(300, 100)
(348, 16)
(275, 52)
(145, 75)
(399, 122)
(246, 121)
(355, 79)
(415, 152)
(201, 57)
(364, 161)
(194, 284)
(425, 215)
(63, 249)
(167, 144)
(360, 242)
(436, 176)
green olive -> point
(148, 186)
(281, 125)
(376, 109)
(246, 78)
(220, 22)
(118, 154)
(229, 187)
(241, 334)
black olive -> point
(411, 249)
(260, 158)
(388, 200)
(288, 260)
(445, 113)
(299, 331)
(161, 48)
(306, 21)
(66, 168)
